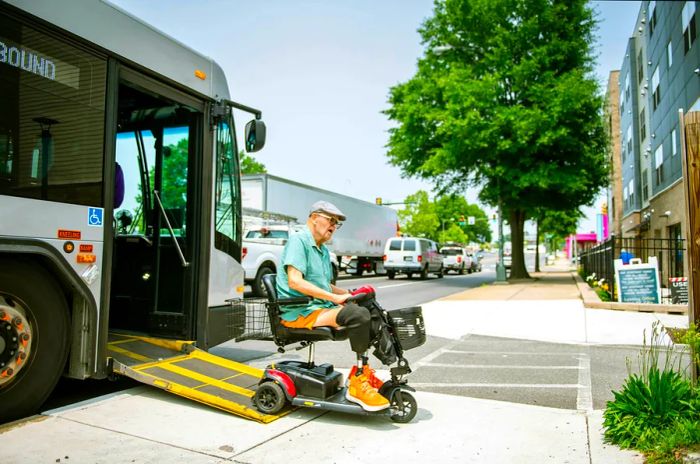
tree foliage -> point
(510, 106)
(249, 165)
(441, 219)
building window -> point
(625, 197)
(689, 31)
(655, 88)
(627, 87)
(659, 164)
(640, 67)
(630, 189)
(673, 143)
(642, 127)
(622, 104)
(645, 185)
(629, 140)
(669, 53)
(652, 17)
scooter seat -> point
(285, 335)
(316, 334)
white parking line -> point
(516, 353)
(490, 366)
(495, 385)
(584, 398)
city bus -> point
(120, 206)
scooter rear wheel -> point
(269, 398)
(405, 406)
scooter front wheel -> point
(269, 398)
(404, 407)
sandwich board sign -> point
(638, 282)
(679, 290)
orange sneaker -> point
(373, 380)
(362, 393)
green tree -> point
(250, 165)
(557, 225)
(452, 233)
(174, 191)
(510, 106)
(441, 219)
(419, 218)
(455, 209)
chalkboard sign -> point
(679, 290)
(638, 283)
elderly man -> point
(306, 271)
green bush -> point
(657, 411)
(645, 406)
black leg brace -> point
(357, 321)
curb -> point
(591, 300)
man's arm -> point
(338, 290)
(297, 282)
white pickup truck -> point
(262, 250)
(456, 259)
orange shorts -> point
(305, 322)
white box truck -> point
(359, 244)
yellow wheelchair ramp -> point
(181, 368)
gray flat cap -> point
(328, 208)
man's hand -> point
(340, 299)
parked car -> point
(456, 259)
(507, 260)
(475, 262)
(411, 255)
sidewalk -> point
(160, 427)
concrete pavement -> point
(149, 425)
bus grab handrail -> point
(170, 228)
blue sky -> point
(321, 71)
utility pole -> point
(500, 268)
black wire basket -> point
(251, 319)
(409, 326)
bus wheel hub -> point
(15, 338)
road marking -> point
(486, 366)
(495, 385)
(425, 360)
(584, 398)
(397, 285)
(516, 353)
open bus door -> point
(153, 287)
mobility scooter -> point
(320, 386)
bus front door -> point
(152, 288)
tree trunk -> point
(517, 224)
(537, 245)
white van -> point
(411, 255)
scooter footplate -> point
(337, 402)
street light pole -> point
(500, 268)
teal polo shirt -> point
(314, 262)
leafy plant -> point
(644, 405)
(657, 411)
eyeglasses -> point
(332, 220)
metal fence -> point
(670, 255)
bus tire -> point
(258, 285)
(30, 290)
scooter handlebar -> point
(360, 297)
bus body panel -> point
(115, 30)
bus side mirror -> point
(254, 135)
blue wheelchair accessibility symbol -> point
(95, 217)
